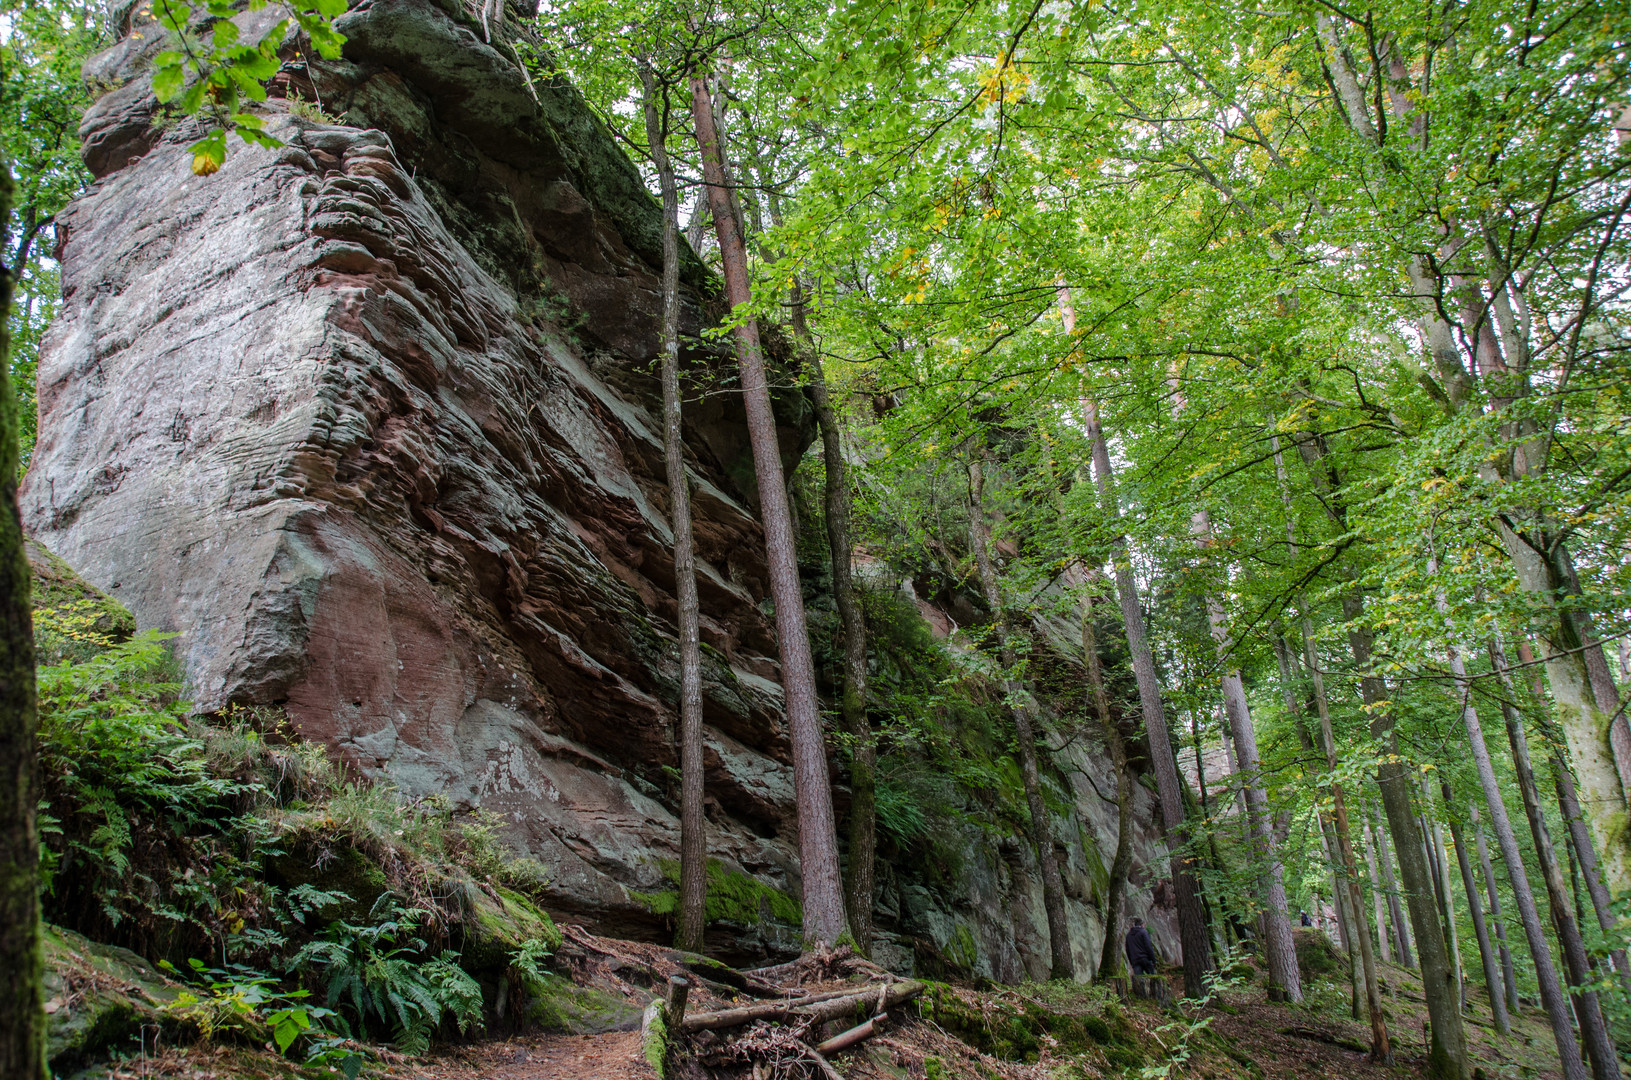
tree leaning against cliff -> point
(823, 893)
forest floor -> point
(992, 1033)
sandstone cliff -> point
(369, 420)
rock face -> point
(369, 420)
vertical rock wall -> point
(369, 421)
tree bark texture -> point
(1192, 932)
(22, 965)
(823, 892)
(1023, 708)
(1580, 838)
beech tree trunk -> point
(22, 966)
(1508, 976)
(1540, 951)
(1486, 952)
(1378, 898)
(1438, 859)
(1192, 932)
(1023, 708)
(1110, 956)
(1401, 928)
(1447, 1053)
(1338, 839)
(823, 891)
(693, 845)
(1587, 1009)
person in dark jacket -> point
(1140, 949)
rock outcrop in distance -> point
(370, 420)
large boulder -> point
(369, 421)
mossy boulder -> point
(1317, 957)
(99, 998)
(564, 1006)
(1013, 1029)
(498, 925)
(73, 619)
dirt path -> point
(614, 1056)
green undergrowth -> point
(732, 897)
(288, 902)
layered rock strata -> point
(369, 421)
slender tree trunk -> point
(1447, 1053)
(1192, 932)
(1378, 898)
(1110, 956)
(1401, 928)
(863, 842)
(1508, 976)
(22, 966)
(1023, 708)
(1540, 951)
(1339, 844)
(1587, 1009)
(693, 845)
(1568, 800)
(1438, 859)
(823, 891)
(1486, 953)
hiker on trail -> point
(1305, 919)
(1140, 949)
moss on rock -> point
(498, 927)
(732, 897)
(73, 619)
(99, 998)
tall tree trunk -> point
(1568, 800)
(1023, 708)
(1587, 1009)
(1486, 953)
(1378, 898)
(1338, 838)
(1540, 951)
(1192, 932)
(863, 842)
(693, 909)
(1110, 956)
(1401, 926)
(823, 891)
(1508, 976)
(22, 966)
(1438, 860)
(1447, 1054)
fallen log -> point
(859, 1033)
(898, 993)
(816, 1008)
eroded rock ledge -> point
(319, 413)
(370, 420)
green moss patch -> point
(732, 897)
